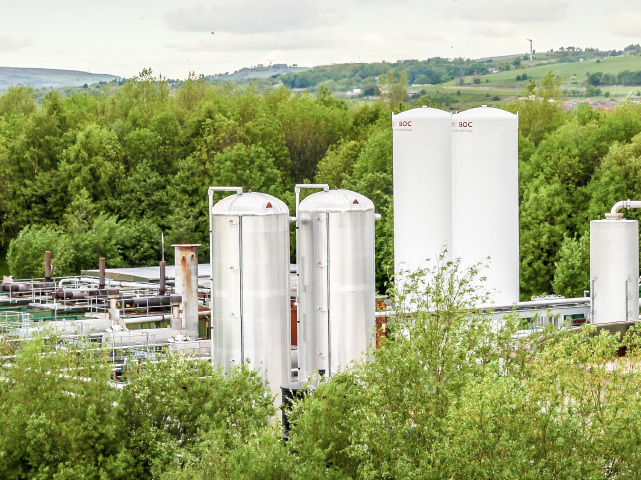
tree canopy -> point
(140, 158)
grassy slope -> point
(569, 72)
(573, 75)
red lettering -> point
(465, 124)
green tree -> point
(187, 223)
(545, 219)
(248, 167)
(337, 165)
(618, 177)
(93, 163)
(394, 87)
(141, 242)
(176, 408)
(542, 113)
(144, 193)
(26, 252)
(18, 100)
(139, 99)
(572, 271)
(310, 128)
(60, 420)
(387, 418)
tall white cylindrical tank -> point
(422, 186)
(614, 270)
(250, 285)
(335, 255)
(485, 197)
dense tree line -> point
(625, 77)
(88, 176)
(572, 168)
(431, 71)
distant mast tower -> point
(530, 40)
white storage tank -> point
(250, 285)
(335, 256)
(485, 197)
(614, 270)
(422, 186)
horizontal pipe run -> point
(628, 204)
(238, 190)
(156, 318)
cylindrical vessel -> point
(162, 278)
(335, 254)
(614, 270)
(48, 266)
(422, 187)
(485, 197)
(186, 256)
(101, 272)
(250, 285)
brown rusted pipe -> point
(162, 288)
(186, 256)
(101, 269)
(47, 266)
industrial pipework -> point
(313, 186)
(628, 204)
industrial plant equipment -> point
(335, 255)
(485, 201)
(250, 283)
(186, 257)
(614, 267)
(422, 186)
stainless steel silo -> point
(335, 256)
(250, 284)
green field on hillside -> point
(573, 73)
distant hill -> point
(258, 72)
(48, 78)
(572, 64)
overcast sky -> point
(122, 37)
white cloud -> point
(512, 11)
(248, 16)
(493, 29)
(229, 42)
(626, 24)
(8, 44)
